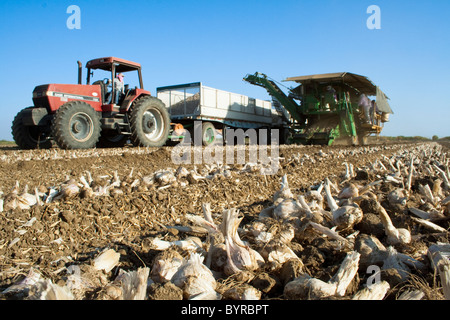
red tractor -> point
(78, 116)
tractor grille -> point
(40, 97)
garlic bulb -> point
(276, 254)
(131, 285)
(398, 197)
(284, 193)
(45, 289)
(190, 244)
(394, 235)
(240, 256)
(31, 279)
(195, 278)
(344, 217)
(307, 287)
(351, 191)
(165, 265)
(371, 249)
(165, 177)
(243, 292)
(69, 189)
(376, 291)
(22, 201)
(286, 209)
(400, 262)
(181, 172)
(314, 198)
(107, 260)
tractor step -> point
(115, 121)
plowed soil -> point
(75, 229)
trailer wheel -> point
(208, 133)
(29, 137)
(76, 125)
(150, 123)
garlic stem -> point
(394, 235)
(331, 202)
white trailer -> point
(217, 109)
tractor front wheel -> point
(149, 122)
(29, 137)
(76, 125)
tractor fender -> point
(128, 101)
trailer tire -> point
(149, 122)
(29, 137)
(208, 133)
(76, 125)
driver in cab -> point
(119, 88)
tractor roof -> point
(361, 83)
(106, 64)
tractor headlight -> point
(40, 94)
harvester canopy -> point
(360, 83)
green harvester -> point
(324, 108)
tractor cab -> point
(104, 70)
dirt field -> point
(74, 229)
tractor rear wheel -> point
(76, 125)
(29, 137)
(149, 122)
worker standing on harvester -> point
(364, 103)
(119, 86)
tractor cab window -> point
(131, 80)
(102, 78)
(105, 79)
(99, 75)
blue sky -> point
(219, 42)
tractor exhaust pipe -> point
(80, 71)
